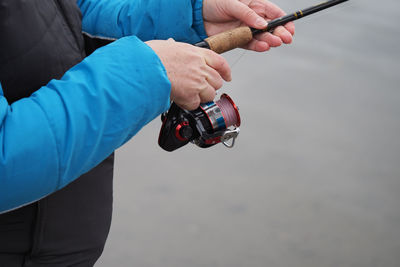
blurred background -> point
(314, 177)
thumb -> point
(245, 14)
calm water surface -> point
(314, 179)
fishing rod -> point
(218, 122)
(238, 37)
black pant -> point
(67, 228)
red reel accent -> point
(178, 128)
(213, 141)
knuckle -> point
(219, 61)
(195, 103)
(221, 65)
(198, 60)
(219, 83)
(249, 13)
(208, 95)
(198, 82)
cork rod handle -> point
(229, 40)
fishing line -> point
(229, 111)
(239, 58)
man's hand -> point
(195, 73)
(223, 15)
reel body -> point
(205, 126)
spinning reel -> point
(205, 126)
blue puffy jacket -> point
(70, 125)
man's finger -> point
(283, 34)
(218, 63)
(190, 105)
(272, 11)
(290, 27)
(207, 94)
(245, 14)
(213, 78)
(258, 46)
(272, 40)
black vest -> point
(40, 41)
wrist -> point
(198, 19)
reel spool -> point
(205, 126)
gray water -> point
(314, 178)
